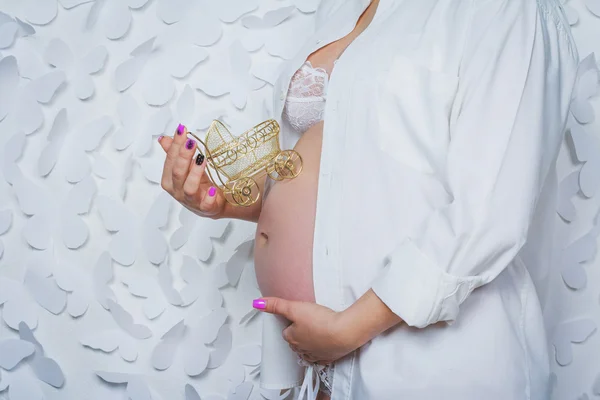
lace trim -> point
(308, 82)
(305, 102)
(315, 376)
(308, 390)
(319, 69)
(305, 99)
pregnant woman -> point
(406, 260)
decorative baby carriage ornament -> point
(234, 164)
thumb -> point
(275, 305)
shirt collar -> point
(347, 10)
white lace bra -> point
(305, 102)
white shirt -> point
(442, 127)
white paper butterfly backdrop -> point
(111, 290)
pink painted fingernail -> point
(259, 303)
(180, 129)
(189, 144)
(212, 191)
(160, 138)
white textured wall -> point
(82, 214)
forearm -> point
(367, 318)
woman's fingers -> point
(165, 142)
(185, 178)
(172, 155)
(191, 187)
(210, 199)
(181, 168)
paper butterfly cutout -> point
(114, 15)
(234, 79)
(11, 29)
(78, 71)
(29, 351)
(576, 331)
(22, 101)
(136, 386)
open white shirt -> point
(442, 127)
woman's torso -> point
(381, 173)
(284, 236)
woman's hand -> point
(317, 333)
(184, 177)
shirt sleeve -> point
(516, 76)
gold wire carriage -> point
(235, 163)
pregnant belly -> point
(284, 235)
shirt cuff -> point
(417, 290)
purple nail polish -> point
(180, 129)
(259, 303)
(212, 191)
(189, 144)
(160, 138)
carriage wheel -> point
(288, 164)
(272, 171)
(245, 192)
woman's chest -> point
(394, 91)
(429, 33)
(394, 85)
